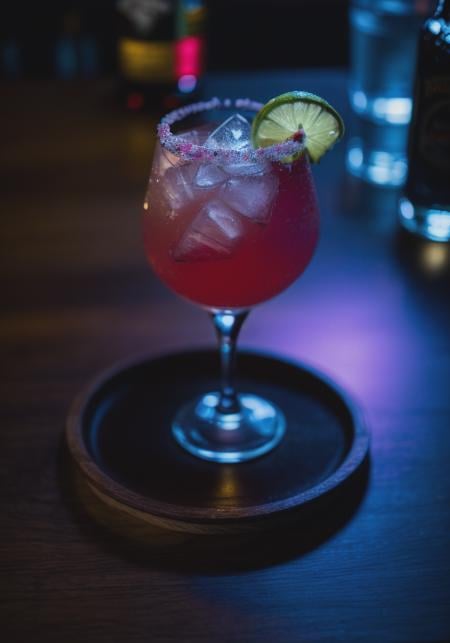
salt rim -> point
(191, 151)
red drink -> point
(230, 220)
(229, 239)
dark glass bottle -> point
(76, 48)
(160, 51)
(11, 54)
(425, 209)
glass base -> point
(229, 437)
(377, 166)
(432, 223)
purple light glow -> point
(366, 343)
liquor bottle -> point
(425, 207)
(27, 37)
(47, 40)
(76, 51)
(160, 51)
(11, 55)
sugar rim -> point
(191, 151)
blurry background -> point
(73, 38)
(372, 311)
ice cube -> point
(191, 136)
(251, 196)
(245, 168)
(214, 234)
(177, 185)
(165, 160)
(234, 133)
(209, 175)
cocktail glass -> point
(228, 227)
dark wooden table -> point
(371, 311)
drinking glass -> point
(383, 44)
(228, 227)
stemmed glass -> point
(227, 227)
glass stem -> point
(227, 325)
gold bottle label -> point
(146, 62)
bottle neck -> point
(443, 10)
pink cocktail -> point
(235, 243)
(227, 227)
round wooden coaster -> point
(118, 433)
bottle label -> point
(144, 14)
(144, 62)
(435, 136)
(434, 143)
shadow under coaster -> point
(119, 436)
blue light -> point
(434, 26)
(11, 58)
(359, 101)
(406, 209)
(66, 58)
(393, 110)
(355, 157)
(438, 225)
(187, 83)
(227, 321)
(88, 57)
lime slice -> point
(285, 115)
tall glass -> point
(228, 229)
(383, 39)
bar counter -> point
(371, 311)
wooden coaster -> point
(119, 436)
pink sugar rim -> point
(191, 151)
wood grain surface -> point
(372, 311)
